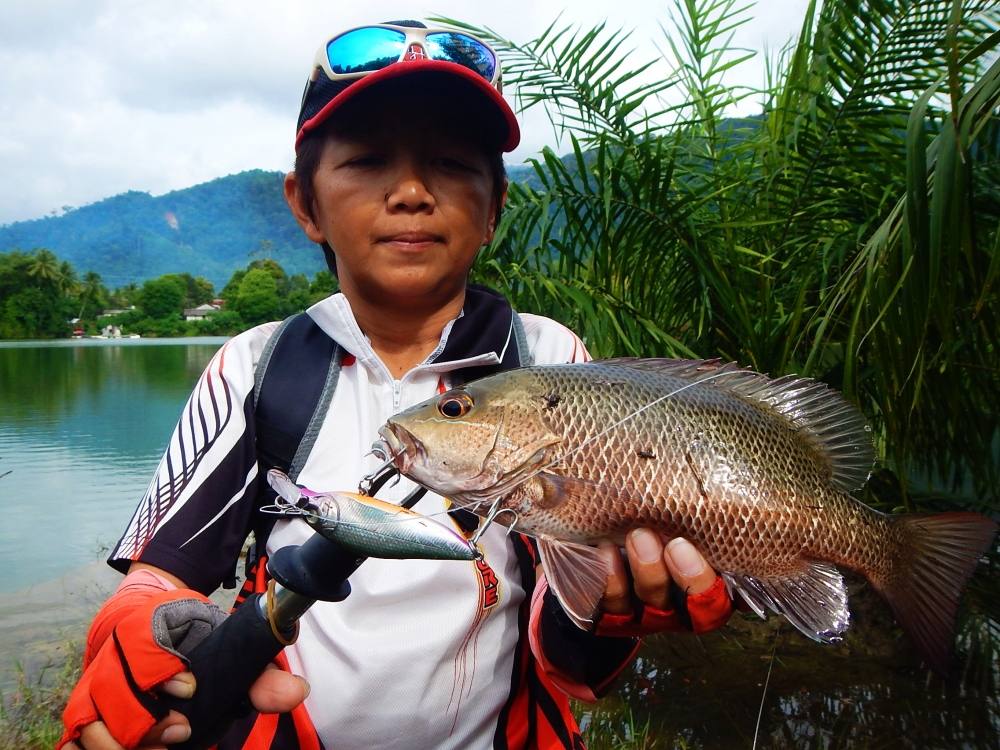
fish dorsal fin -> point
(813, 599)
(834, 426)
(577, 575)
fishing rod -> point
(231, 659)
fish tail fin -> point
(936, 556)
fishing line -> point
(626, 418)
(493, 513)
(770, 666)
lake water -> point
(82, 426)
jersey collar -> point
(479, 342)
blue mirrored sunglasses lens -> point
(364, 50)
(464, 50)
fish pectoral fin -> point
(557, 489)
(577, 575)
(813, 598)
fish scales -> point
(725, 473)
(756, 472)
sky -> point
(104, 96)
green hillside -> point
(209, 230)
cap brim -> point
(504, 114)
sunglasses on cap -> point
(364, 50)
(361, 58)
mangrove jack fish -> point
(755, 472)
(368, 526)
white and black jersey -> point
(423, 653)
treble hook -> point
(494, 513)
(373, 482)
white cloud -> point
(102, 97)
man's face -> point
(405, 201)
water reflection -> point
(53, 379)
(868, 692)
(81, 430)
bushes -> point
(39, 296)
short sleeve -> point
(552, 343)
(196, 513)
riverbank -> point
(38, 623)
(42, 624)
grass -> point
(608, 729)
(31, 714)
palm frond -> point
(850, 231)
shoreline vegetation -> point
(46, 298)
(42, 632)
(848, 232)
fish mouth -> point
(399, 446)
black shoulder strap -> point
(293, 384)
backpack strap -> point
(524, 357)
(294, 381)
(293, 385)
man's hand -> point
(655, 565)
(274, 691)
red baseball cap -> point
(361, 59)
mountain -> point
(207, 230)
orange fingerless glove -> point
(144, 649)
(707, 611)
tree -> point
(45, 269)
(323, 284)
(33, 313)
(257, 300)
(125, 296)
(197, 290)
(232, 288)
(162, 297)
(296, 296)
(93, 295)
(274, 268)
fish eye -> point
(455, 405)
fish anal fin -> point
(577, 574)
(813, 598)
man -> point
(399, 177)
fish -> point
(368, 526)
(759, 473)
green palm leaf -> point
(848, 232)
